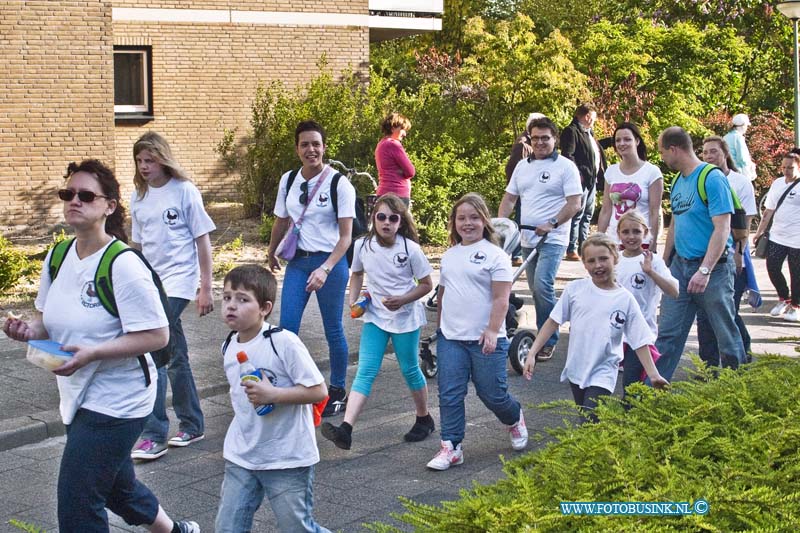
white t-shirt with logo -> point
(786, 219)
(630, 191)
(467, 273)
(743, 188)
(647, 294)
(283, 438)
(320, 231)
(543, 186)
(166, 223)
(598, 320)
(72, 315)
(391, 272)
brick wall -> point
(56, 100)
(57, 103)
(205, 78)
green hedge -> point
(732, 441)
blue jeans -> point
(370, 357)
(185, 399)
(290, 493)
(541, 273)
(330, 298)
(579, 225)
(462, 361)
(709, 351)
(677, 315)
(97, 472)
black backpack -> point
(103, 282)
(360, 224)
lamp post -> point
(791, 10)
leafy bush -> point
(13, 264)
(265, 228)
(731, 441)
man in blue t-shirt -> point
(697, 254)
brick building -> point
(87, 78)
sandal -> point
(545, 354)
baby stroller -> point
(521, 339)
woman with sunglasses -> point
(319, 265)
(104, 397)
(393, 260)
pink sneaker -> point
(447, 456)
(519, 433)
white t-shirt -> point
(391, 272)
(786, 219)
(72, 314)
(543, 186)
(283, 438)
(630, 191)
(467, 273)
(320, 231)
(598, 320)
(743, 188)
(166, 223)
(647, 294)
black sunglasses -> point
(394, 218)
(304, 192)
(86, 197)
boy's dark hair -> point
(545, 124)
(308, 125)
(254, 278)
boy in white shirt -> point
(271, 455)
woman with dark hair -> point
(633, 183)
(395, 169)
(319, 265)
(779, 224)
(105, 394)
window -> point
(133, 81)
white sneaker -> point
(780, 308)
(792, 315)
(519, 433)
(447, 456)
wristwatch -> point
(704, 271)
(553, 222)
(327, 269)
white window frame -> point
(146, 53)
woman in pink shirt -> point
(395, 170)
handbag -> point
(287, 248)
(763, 241)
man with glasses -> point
(549, 188)
(579, 145)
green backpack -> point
(739, 228)
(103, 282)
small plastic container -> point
(47, 354)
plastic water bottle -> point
(358, 308)
(250, 373)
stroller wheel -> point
(428, 362)
(520, 348)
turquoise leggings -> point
(370, 357)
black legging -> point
(776, 255)
(587, 398)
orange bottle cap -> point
(241, 357)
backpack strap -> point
(289, 182)
(228, 342)
(57, 257)
(335, 194)
(701, 186)
(267, 335)
(103, 279)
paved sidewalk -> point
(351, 487)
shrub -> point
(265, 228)
(13, 264)
(731, 441)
